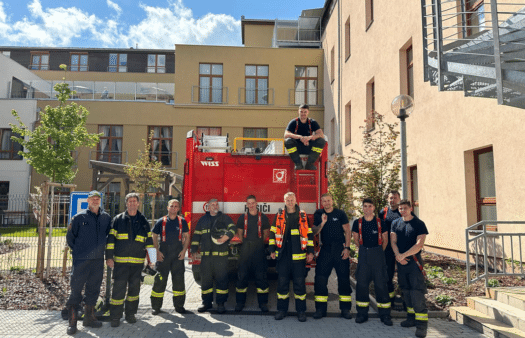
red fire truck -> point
(215, 168)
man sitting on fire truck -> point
(304, 136)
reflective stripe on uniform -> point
(110, 246)
(113, 232)
(410, 310)
(384, 305)
(194, 243)
(297, 257)
(132, 298)
(322, 299)
(392, 294)
(263, 291)
(273, 229)
(422, 316)
(122, 236)
(221, 292)
(197, 232)
(345, 298)
(316, 149)
(271, 242)
(362, 304)
(179, 293)
(291, 150)
(140, 238)
(150, 246)
(300, 297)
(310, 243)
(133, 260)
(281, 296)
(205, 292)
(116, 301)
(157, 294)
(294, 231)
(217, 253)
(241, 290)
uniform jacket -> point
(87, 235)
(127, 242)
(202, 235)
(297, 252)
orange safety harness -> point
(297, 125)
(385, 211)
(379, 238)
(164, 221)
(258, 224)
(280, 225)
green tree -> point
(337, 179)
(60, 131)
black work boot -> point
(421, 328)
(312, 157)
(410, 321)
(89, 317)
(387, 320)
(319, 314)
(204, 307)
(72, 318)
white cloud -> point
(161, 28)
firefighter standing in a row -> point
(174, 240)
(128, 239)
(212, 232)
(291, 243)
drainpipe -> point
(339, 80)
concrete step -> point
(514, 296)
(502, 312)
(483, 323)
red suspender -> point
(385, 211)
(246, 224)
(180, 227)
(379, 237)
(164, 221)
(297, 125)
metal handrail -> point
(498, 256)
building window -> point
(210, 83)
(256, 84)
(8, 148)
(39, 61)
(414, 195)
(306, 85)
(369, 8)
(347, 38)
(332, 65)
(161, 144)
(118, 63)
(332, 136)
(211, 131)
(257, 133)
(79, 62)
(112, 198)
(156, 63)
(485, 184)
(7, 53)
(110, 145)
(475, 16)
(370, 105)
(410, 71)
(348, 123)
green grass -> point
(28, 232)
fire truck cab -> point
(215, 168)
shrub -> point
(448, 280)
(493, 283)
(443, 299)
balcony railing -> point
(312, 97)
(118, 157)
(218, 95)
(256, 96)
(304, 32)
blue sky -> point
(127, 23)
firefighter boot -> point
(421, 328)
(72, 317)
(297, 160)
(89, 317)
(312, 157)
(410, 321)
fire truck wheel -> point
(196, 269)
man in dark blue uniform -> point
(408, 236)
(86, 236)
(304, 136)
(371, 236)
(174, 241)
(335, 240)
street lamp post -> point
(402, 106)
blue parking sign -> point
(78, 202)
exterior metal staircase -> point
(476, 46)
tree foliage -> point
(50, 147)
(145, 172)
(370, 173)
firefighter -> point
(86, 236)
(174, 241)
(335, 237)
(253, 229)
(303, 135)
(291, 243)
(408, 235)
(388, 215)
(128, 239)
(371, 236)
(212, 232)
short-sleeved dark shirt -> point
(407, 232)
(370, 231)
(172, 229)
(253, 233)
(332, 232)
(391, 215)
(304, 128)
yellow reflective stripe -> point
(316, 149)
(116, 301)
(113, 232)
(110, 246)
(132, 298)
(241, 290)
(205, 253)
(292, 150)
(345, 298)
(197, 232)
(410, 310)
(300, 297)
(322, 299)
(149, 234)
(362, 304)
(205, 231)
(281, 296)
(133, 260)
(271, 242)
(384, 305)
(222, 254)
(205, 292)
(422, 316)
(392, 294)
(263, 291)
(157, 294)
(122, 236)
(294, 231)
(273, 229)
(195, 243)
(140, 238)
(310, 231)
(297, 257)
(222, 292)
(150, 246)
(179, 293)
(310, 243)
